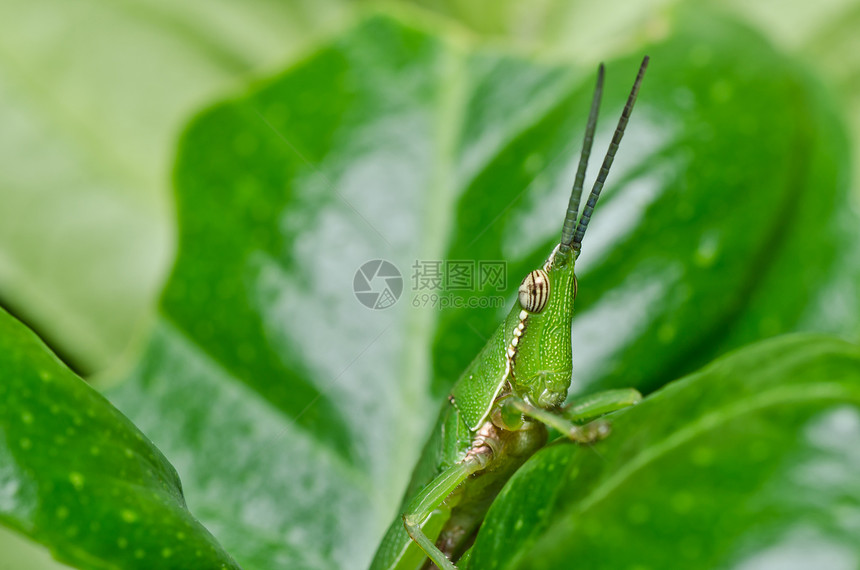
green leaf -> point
(79, 477)
(294, 413)
(749, 463)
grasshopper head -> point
(540, 352)
(542, 361)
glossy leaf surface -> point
(79, 477)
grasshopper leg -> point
(595, 405)
(434, 495)
(589, 433)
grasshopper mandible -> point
(498, 412)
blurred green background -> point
(94, 98)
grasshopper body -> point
(497, 414)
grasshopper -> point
(499, 410)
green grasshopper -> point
(498, 412)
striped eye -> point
(534, 291)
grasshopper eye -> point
(534, 291)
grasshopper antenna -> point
(576, 194)
(576, 244)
